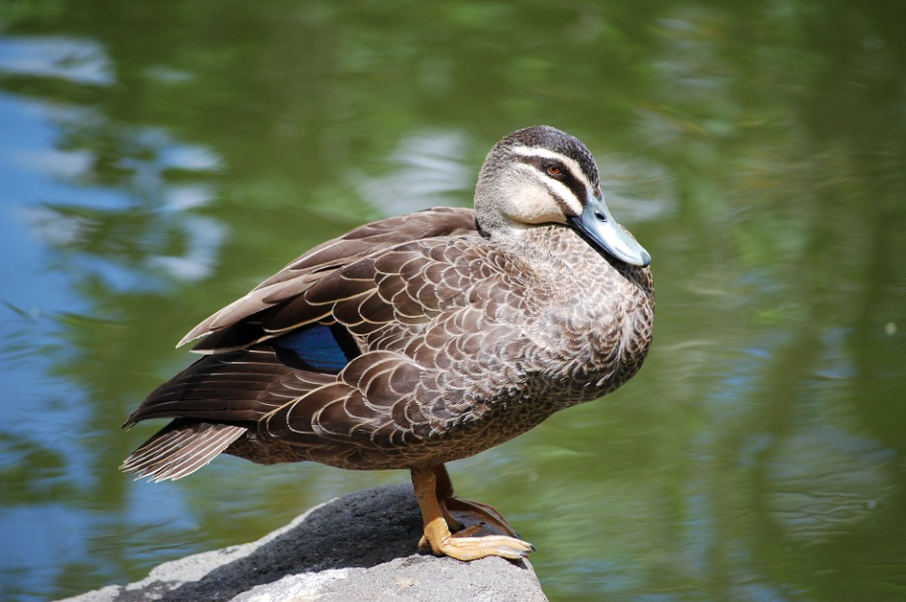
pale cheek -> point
(534, 206)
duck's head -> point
(540, 175)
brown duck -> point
(418, 340)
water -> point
(157, 162)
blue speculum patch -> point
(319, 347)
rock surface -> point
(360, 547)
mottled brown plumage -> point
(455, 330)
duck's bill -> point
(598, 225)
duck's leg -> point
(483, 514)
(437, 531)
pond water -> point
(158, 160)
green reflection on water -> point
(757, 150)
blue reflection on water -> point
(39, 538)
(26, 283)
(36, 539)
(23, 279)
(73, 59)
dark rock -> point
(360, 547)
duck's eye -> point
(553, 170)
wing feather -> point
(181, 448)
(321, 262)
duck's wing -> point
(296, 331)
(231, 328)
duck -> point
(417, 340)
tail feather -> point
(180, 448)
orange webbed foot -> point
(434, 492)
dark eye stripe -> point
(561, 202)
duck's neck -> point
(552, 249)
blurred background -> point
(157, 160)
